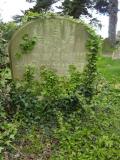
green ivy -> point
(94, 47)
(27, 45)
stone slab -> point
(60, 42)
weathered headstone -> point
(116, 53)
(110, 50)
(52, 42)
(107, 48)
(118, 36)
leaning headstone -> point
(107, 48)
(118, 36)
(54, 42)
(116, 53)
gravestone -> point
(107, 48)
(116, 53)
(54, 42)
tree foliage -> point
(43, 5)
(76, 8)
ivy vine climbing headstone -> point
(54, 42)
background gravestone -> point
(116, 53)
(109, 50)
(60, 42)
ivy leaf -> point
(1, 148)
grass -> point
(110, 69)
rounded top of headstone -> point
(55, 42)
